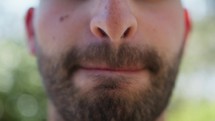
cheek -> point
(162, 31)
(58, 30)
(47, 33)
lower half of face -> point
(100, 83)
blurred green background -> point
(22, 96)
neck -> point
(54, 116)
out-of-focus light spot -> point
(1, 109)
(8, 62)
(6, 82)
(27, 105)
(9, 59)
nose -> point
(113, 20)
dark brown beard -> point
(145, 105)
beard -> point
(106, 101)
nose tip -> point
(113, 33)
(114, 22)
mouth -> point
(102, 78)
(113, 70)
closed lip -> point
(108, 69)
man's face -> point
(108, 60)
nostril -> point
(126, 33)
(102, 33)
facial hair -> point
(100, 105)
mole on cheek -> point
(63, 18)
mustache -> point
(123, 56)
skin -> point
(117, 59)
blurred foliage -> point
(22, 96)
(191, 111)
(200, 46)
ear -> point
(188, 24)
(30, 30)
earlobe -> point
(30, 30)
(188, 24)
